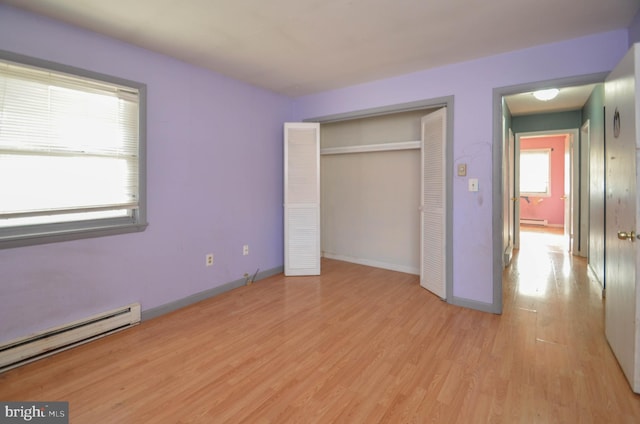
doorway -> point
(370, 186)
(546, 185)
(400, 150)
(544, 118)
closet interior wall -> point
(370, 200)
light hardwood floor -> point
(356, 345)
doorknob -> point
(623, 235)
(514, 198)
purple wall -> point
(215, 172)
(214, 184)
(472, 83)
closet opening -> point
(371, 184)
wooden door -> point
(433, 272)
(302, 199)
(622, 302)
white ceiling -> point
(569, 98)
(298, 47)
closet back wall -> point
(369, 204)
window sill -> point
(55, 236)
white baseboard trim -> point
(375, 264)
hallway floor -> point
(556, 309)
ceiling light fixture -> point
(545, 95)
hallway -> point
(556, 309)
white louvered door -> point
(302, 199)
(433, 275)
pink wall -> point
(549, 208)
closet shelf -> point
(366, 148)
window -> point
(71, 153)
(535, 172)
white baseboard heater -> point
(540, 222)
(28, 349)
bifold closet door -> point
(433, 275)
(302, 199)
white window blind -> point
(535, 172)
(69, 148)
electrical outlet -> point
(245, 249)
(473, 184)
(209, 259)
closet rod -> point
(366, 148)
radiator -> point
(541, 222)
(28, 349)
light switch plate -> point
(462, 169)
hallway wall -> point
(594, 113)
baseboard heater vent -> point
(540, 222)
(28, 349)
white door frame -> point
(569, 194)
(509, 178)
(585, 187)
(516, 192)
(513, 190)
